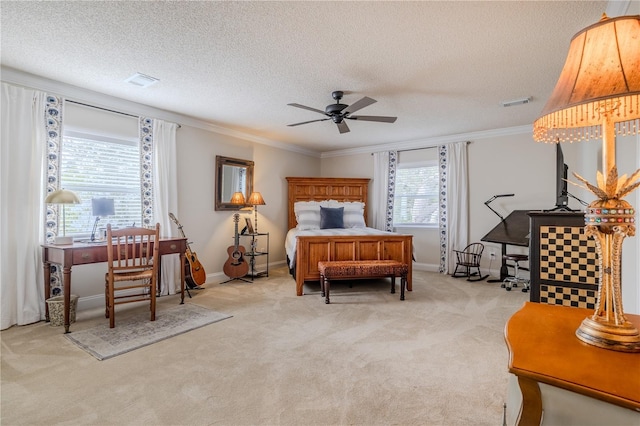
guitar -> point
(236, 266)
(196, 275)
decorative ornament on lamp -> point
(598, 96)
(64, 197)
(255, 200)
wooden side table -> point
(543, 348)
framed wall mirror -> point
(232, 175)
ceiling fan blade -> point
(366, 101)
(306, 107)
(379, 118)
(342, 126)
(311, 121)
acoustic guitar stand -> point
(237, 278)
(187, 285)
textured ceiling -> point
(442, 68)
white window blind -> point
(100, 167)
(416, 194)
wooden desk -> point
(85, 253)
(543, 348)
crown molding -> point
(75, 93)
(16, 77)
(431, 142)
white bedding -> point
(290, 243)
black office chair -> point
(468, 260)
(516, 279)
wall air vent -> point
(516, 102)
(141, 80)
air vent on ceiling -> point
(516, 102)
(141, 80)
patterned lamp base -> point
(609, 222)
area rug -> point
(137, 331)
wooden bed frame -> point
(311, 250)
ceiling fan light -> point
(334, 108)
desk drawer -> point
(172, 247)
(89, 255)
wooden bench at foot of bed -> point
(342, 270)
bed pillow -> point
(354, 215)
(331, 203)
(331, 218)
(353, 212)
(307, 215)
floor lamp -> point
(596, 97)
(64, 197)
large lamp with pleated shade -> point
(597, 96)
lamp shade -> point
(237, 198)
(102, 207)
(62, 196)
(255, 199)
(601, 77)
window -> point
(95, 166)
(416, 194)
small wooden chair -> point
(469, 262)
(133, 264)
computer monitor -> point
(562, 197)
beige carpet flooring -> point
(437, 358)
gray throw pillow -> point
(331, 218)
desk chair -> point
(516, 279)
(468, 260)
(133, 268)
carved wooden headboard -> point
(319, 189)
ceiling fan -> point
(339, 112)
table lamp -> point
(596, 97)
(237, 198)
(100, 207)
(64, 197)
(255, 199)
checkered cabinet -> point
(562, 260)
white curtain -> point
(383, 188)
(165, 183)
(22, 191)
(454, 202)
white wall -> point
(498, 163)
(425, 240)
(210, 232)
(516, 164)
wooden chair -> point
(468, 260)
(133, 268)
